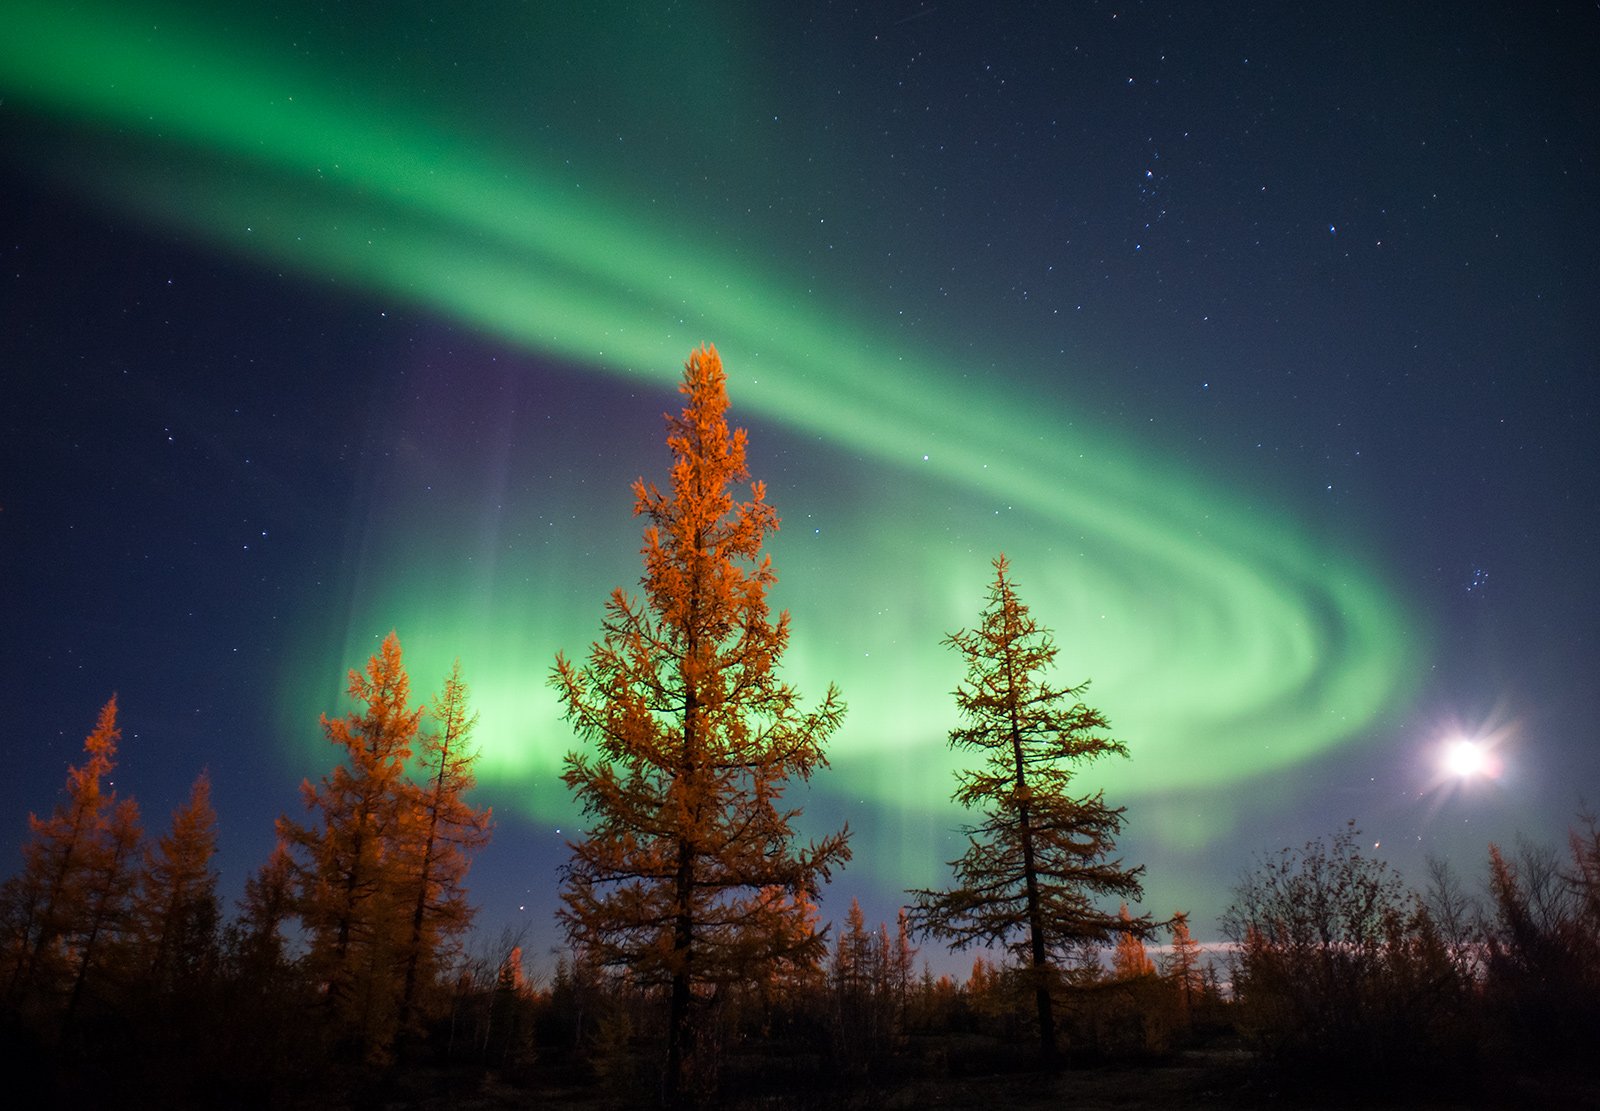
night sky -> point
(1263, 342)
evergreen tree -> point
(695, 740)
(349, 874)
(1041, 856)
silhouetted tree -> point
(855, 956)
(902, 957)
(934, 1004)
(1337, 961)
(1542, 942)
(860, 1007)
(1042, 854)
(1584, 841)
(267, 906)
(444, 830)
(690, 845)
(1182, 966)
(107, 923)
(870, 976)
(1457, 916)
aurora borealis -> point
(554, 234)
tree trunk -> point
(680, 1023)
(1041, 956)
(680, 1044)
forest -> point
(699, 971)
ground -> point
(1220, 1076)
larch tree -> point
(856, 975)
(1182, 965)
(799, 975)
(1129, 960)
(690, 843)
(177, 912)
(855, 957)
(70, 899)
(444, 831)
(268, 905)
(350, 859)
(870, 975)
(1041, 858)
(902, 959)
(108, 913)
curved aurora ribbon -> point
(1261, 648)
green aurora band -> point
(1262, 646)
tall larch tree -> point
(177, 912)
(1041, 858)
(1182, 966)
(268, 905)
(856, 958)
(694, 741)
(444, 831)
(350, 859)
(70, 899)
(902, 959)
(107, 926)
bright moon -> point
(1465, 759)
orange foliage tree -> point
(177, 911)
(346, 874)
(70, 902)
(1129, 961)
(695, 738)
(377, 873)
(268, 905)
(445, 830)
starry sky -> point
(1261, 340)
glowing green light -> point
(1221, 641)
